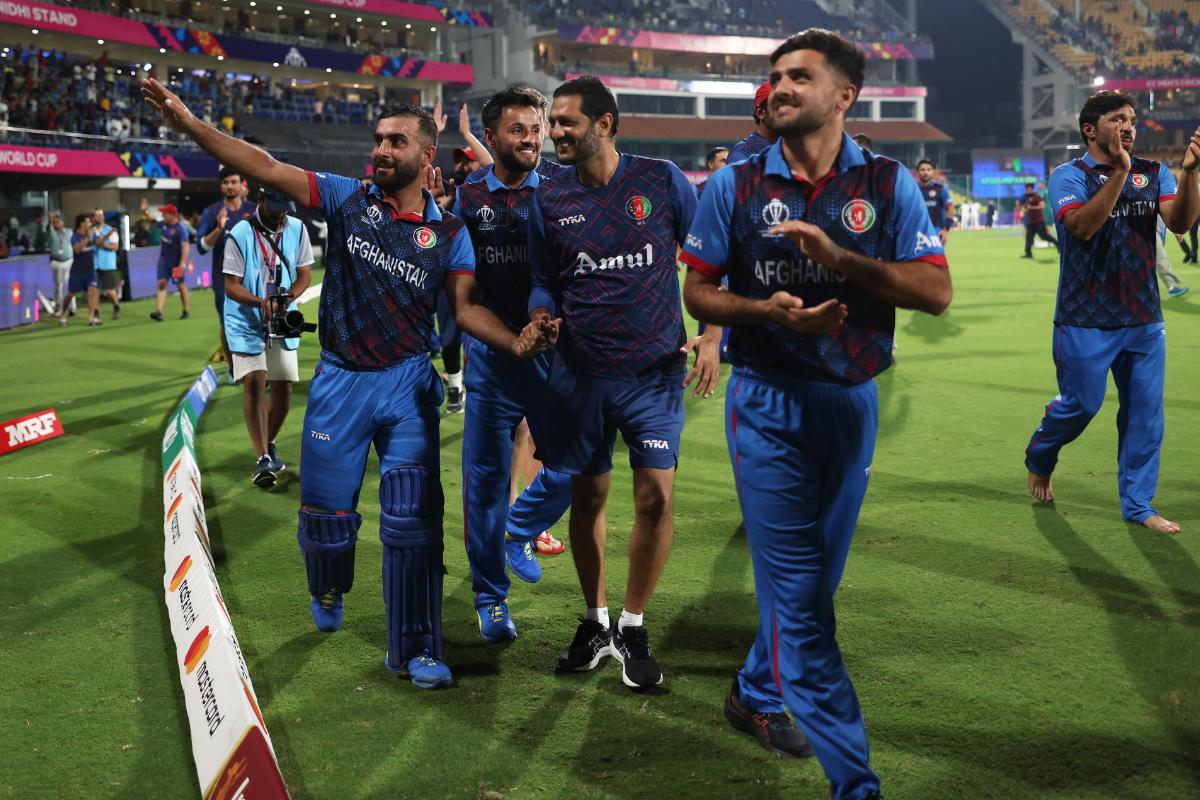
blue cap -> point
(276, 201)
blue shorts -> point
(396, 409)
(164, 274)
(586, 412)
(218, 287)
(80, 280)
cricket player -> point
(390, 250)
(821, 242)
(1108, 317)
(602, 244)
(937, 199)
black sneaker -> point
(775, 732)
(591, 644)
(264, 475)
(156, 316)
(185, 315)
(639, 669)
(116, 310)
(454, 400)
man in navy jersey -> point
(761, 137)
(494, 204)
(821, 241)
(1033, 207)
(1108, 315)
(602, 242)
(216, 222)
(937, 199)
(172, 260)
(390, 251)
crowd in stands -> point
(396, 41)
(1113, 39)
(768, 18)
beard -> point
(585, 148)
(802, 124)
(515, 161)
(403, 173)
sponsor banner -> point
(139, 164)
(893, 91)
(230, 744)
(700, 43)
(436, 11)
(29, 429)
(73, 20)
(21, 278)
(1140, 84)
(143, 270)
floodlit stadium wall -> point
(230, 743)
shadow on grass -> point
(932, 329)
(1158, 647)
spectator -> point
(61, 257)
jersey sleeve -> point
(1067, 190)
(541, 271)
(462, 254)
(235, 262)
(327, 191)
(1168, 187)
(683, 198)
(208, 221)
(916, 237)
(706, 248)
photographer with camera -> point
(267, 263)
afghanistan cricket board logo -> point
(1139, 181)
(638, 207)
(425, 238)
(858, 216)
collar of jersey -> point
(848, 158)
(432, 212)
(622, 158)
(494, 184)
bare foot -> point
(1156, 522)
(1041, 488)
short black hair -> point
(842, 54)
(228, 172)
(425, 123)
(595, 98)
(714, 152)
(863, 141)
(511, 97)
(82, 218)
(926, 161)
(1100, 104)
(1029, 186)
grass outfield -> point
(999, 649)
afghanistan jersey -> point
(1033, 216)
(937, 202)
(1109, 280)
(752, 145)
(868, 203)
(605, 256)
(498, 220)
(383, 272)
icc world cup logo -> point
(775, 212)
(374, 216)
(486, 217)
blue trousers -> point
(396, 409)
(1083, 357)
(503, 389)
(801, 453)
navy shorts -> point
(164, 274)
(586, 412)
(218, 287)
(80, 280)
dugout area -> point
(999, 649)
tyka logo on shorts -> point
(655, 444)
(320, 437)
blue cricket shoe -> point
(428, 672)
(521, 559)
(277, 464)
(327, 611)
(495, 623)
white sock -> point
(629, 619)
(456, 380)
(599, 615)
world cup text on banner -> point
(30, 429)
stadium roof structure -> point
(668, 128)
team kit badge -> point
(425, 238)
(858, 216)
(638, 207)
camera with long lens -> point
(281, 322)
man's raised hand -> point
(168, 105)
(811, 240)
(1191, 156)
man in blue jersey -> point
(494, 204)
(1108, 317)
(172, 260)
(391, 250)
(937, 199)
(602, 242)
(216, 222)
(821, 243)
(762, 136)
